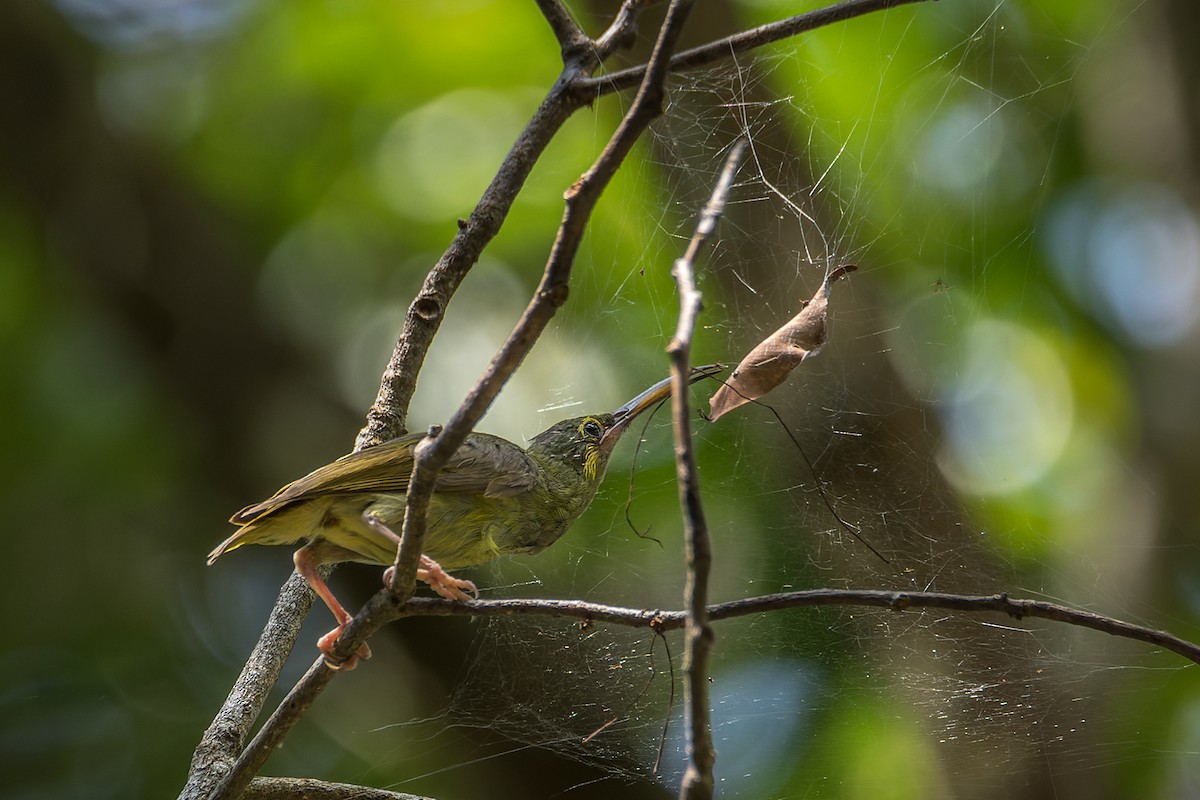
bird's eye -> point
(591, 429)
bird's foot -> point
(325, 645)
(439, 580)
(444, 583)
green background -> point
(213, 215)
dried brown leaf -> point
(770, 362)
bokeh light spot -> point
(438, 159)
(1131, 255)
(1010, 412)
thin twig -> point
(897, 601)
(387, 417)
(698, 778)
(571, 38)
(662, 621)
(623, 30)
(741, 42)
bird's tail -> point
(232, 543)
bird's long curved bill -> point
(653, 396)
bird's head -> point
(587, 442)
(580, 442)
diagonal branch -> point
(385, 420)
(698, 779)
(623, 30)
(387, 417)
(571, 38)
(227, 732)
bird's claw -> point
(444, 583)
(325, 645)
(439, 580)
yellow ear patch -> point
(590, 430)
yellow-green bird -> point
(492, 498)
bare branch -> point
(387, 417)
(273, 730)
(225, 736)
(698, 779)
(384, 608)
(571, 38)
(621, 32)
(385, 420)
(742, 42)
(309, 789)
(897, 601)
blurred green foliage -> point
(213, 214)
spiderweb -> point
(945, 420)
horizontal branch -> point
(386, 608)
(662, 621)
(742, 42)
(310, 789)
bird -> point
(492, 498)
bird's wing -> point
(383, 468)
(484, 464)
(490, 466)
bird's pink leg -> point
(307, 567)
(429, 570)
